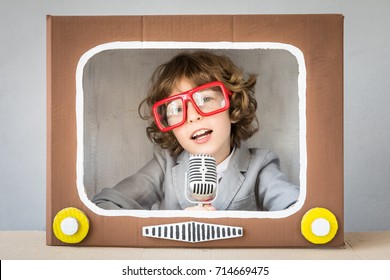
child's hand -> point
(205, 207)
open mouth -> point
(200, 134)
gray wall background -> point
(23, 97)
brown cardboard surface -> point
(18, 245)
(319, 37)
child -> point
(201, 103)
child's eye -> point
(201, 98)
(174, 108)
(207, 99)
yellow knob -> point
(319, 225)
(71, 225)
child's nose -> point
(192, 114)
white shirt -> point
(221, 168)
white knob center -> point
(320, 227)
(69, 226)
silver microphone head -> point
(201, 184)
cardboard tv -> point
(98, 71)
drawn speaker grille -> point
(192, 232)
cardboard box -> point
(79, 47)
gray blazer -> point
(252, 181)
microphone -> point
(201, 179)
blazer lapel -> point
(233, 178)
(227, 189)
(178, 176)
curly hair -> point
(202, 67)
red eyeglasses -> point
(208, 99)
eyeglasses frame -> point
(187, 96)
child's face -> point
(203, 135)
